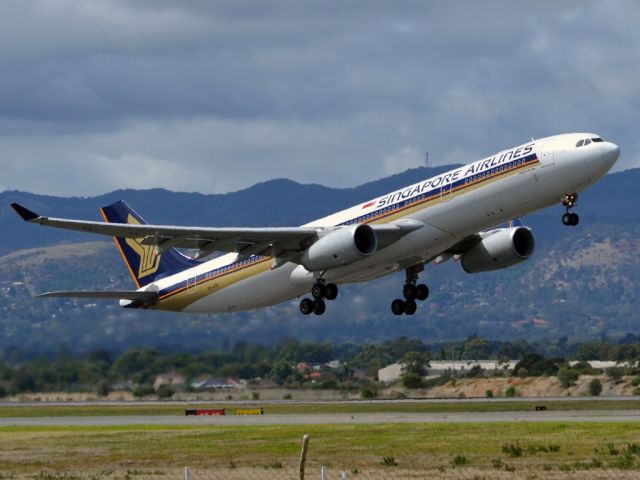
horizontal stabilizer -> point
(146, 297)
(26, 214)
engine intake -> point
(502, 248)
(340, 247)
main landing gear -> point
(411, 292)
(569, 201)
(320, 292)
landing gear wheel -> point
(330, 291)
(319, 307)
(307, 306)
(570, 219)
(410, 307)
(398, 306)
(422, 292)
(575, 219)
(409, 291)
(318, 291)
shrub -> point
(412, 380)
(143, 390)
(102, 389)
(489, 393)
(255, 395)
(389, 461)
(595, 387)
(512, 449)
(511, 392)
(568, 376)
(536, 365)
(585, 368)
(475, 372)
(165, 391)
(459, 460)
(615, 373)
(286, 396)
(635, 381)
(368, 392)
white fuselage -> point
(452, 206)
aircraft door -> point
(547, 153)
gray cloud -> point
(214, 96)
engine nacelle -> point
(340, 247)
(503, 248)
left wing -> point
(246, 241)
(285, 243)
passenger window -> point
(587, 142)
(580, 143)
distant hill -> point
(582, 282)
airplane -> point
(450, 216)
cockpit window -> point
(587, 141)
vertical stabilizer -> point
(144, 261)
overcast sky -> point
(214, 96)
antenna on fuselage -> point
(426, 160)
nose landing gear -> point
(569, 218)
(320, 292)
(411, 292)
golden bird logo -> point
(149, 258)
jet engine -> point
(340, 247)
(499, 249)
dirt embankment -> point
(524, 387)
(468, 388)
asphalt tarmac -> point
(327, 419)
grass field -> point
(510, 450)
(481, 450)
(311, 408)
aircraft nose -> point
(612, 153)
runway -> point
(328, 419)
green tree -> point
(141, 366)
(416, 363)
(475, 348)
(281, 371)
